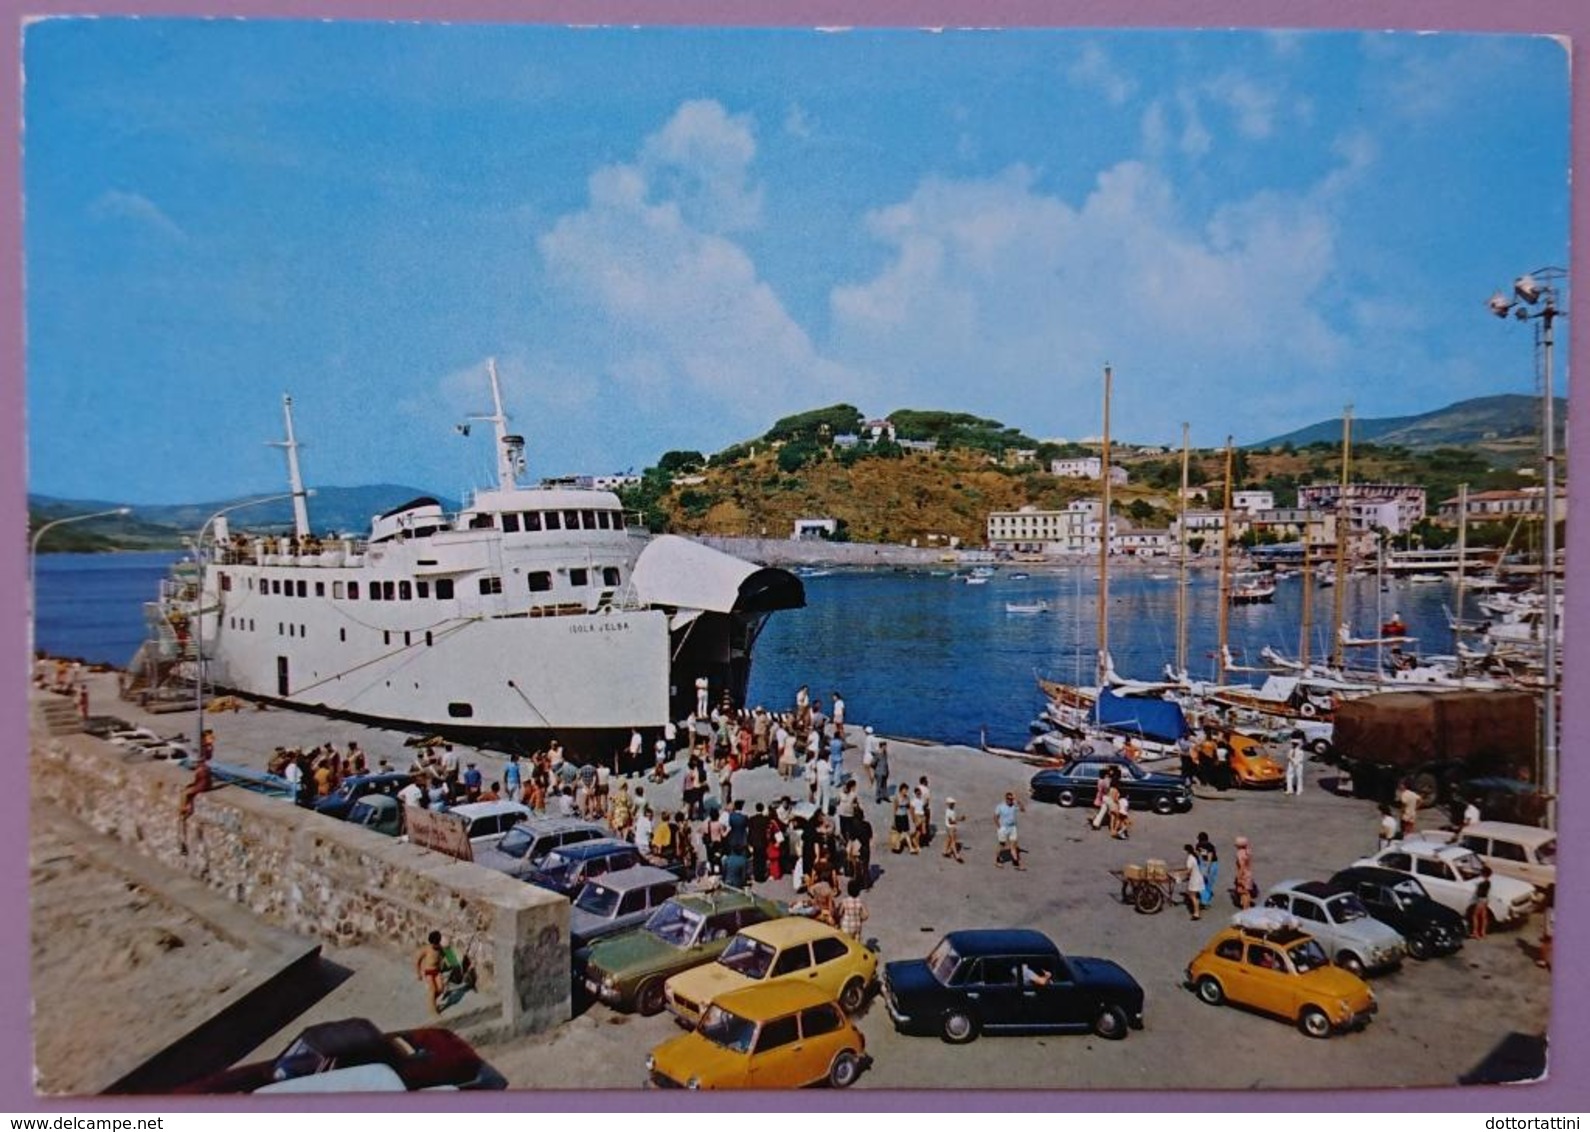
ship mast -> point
(1181, 581)
(1225, 574)
(510, 448)
(1341, 539)
(295, 480)
(1104, 541)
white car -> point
(1451, 875)
(1524, 852)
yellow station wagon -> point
(774, 1035)
(1263, 962)
(793, 949)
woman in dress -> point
(1244, 886)
(1209, 865)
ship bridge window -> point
(422, 589)
(444, 589)
(603, 521)
(405, 592)
(579, 576)
(491, 584)
(276, 585)
(610, 576)
(510, 522)
(532, 520)
(336, 590)
(303, 589)
(481, 522)
(588, 520)
(375, 591)
(388, 591)
(552, 520)
(571, 520)
(540, 581)
(353, 591)
(320, 589)
(226, 581)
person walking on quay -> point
(1408, 800)
(836, 762)
(1209, 865)
(869, 755)
(659, 766)
(428, 965)
(1389, 827)
(756, 838)
(1103, 806)
(852, 910)
(702, 688)
(839, 717)
(513, 778)
(927, 809)
(919, 825)
(901, 836)
(846, 809)
(880, 768)
(952, 835)
(1295, 756)
(1005, 822)
(1479, 916)
(1195, 882)
(1245, 886)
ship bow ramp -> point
(718, 604)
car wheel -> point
(1209, 990)
(959, 1027)
(1066, 798)
(846, 1068)
(1322, 747)
(649, 999)
(1111, 1023)
(1164, 804)
(854, 994)
(1314, 1022)
(1418, 947)
(1350, 963)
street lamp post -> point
(1535, 298)
(33, 555)
(198, 606)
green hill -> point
(1506, 426)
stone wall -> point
(322, 878)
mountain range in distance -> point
(1506, 426)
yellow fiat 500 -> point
(779, 1035)
(1251, 765)
(793, 949)
(1265, 963)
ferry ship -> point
(533, 613)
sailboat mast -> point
(1225, 574)
(1463, 545)
(1181, 581)
(1341, 539)
(1104, 539)
(1308, 600)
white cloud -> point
(668, 301)
(1096, 71)
(1196, 140)
(1253, 106)
(114, 204)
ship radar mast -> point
(294, 479)
(510, 448)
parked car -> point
(1009, 981)
(566, 870)
(628, 970)
(1265, 963)
(425, 1059)
(1401, 903)
(1504, 799)
(1451, 875)
(790, 949)
(378, 812)
(525, 846)
(1334, 915)
(1075, 783)
(351, 789)
(617, 901)
(765, 1036)
(1252, 765)
(1523, 852)
(488, 821)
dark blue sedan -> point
(1009, 981)
(1074, 783)
(356, 786)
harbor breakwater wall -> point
(322, 878)
(819, 552)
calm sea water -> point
(914, 654)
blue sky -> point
(671, 237)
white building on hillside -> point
(1086, 468)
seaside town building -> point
(1392, 507)
(1502, 506)
(1086, 468)
(808, 530)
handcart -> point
(1150, 887)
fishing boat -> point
(1026, 607)
(1252, 589)
(533, 612)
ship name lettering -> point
(602, 627)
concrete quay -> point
(1439, 1021)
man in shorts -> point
(1005, 820)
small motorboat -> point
(1026, 607)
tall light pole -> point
(33, 555)
(198, 606)
(1535, 298)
